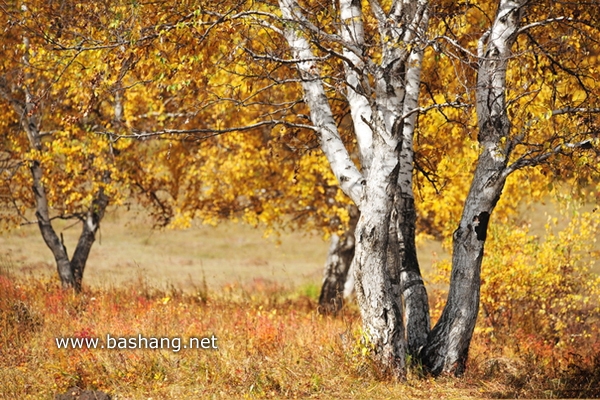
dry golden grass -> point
(128, 247)
(271, 344)
(258, 298)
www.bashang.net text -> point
(174, 344)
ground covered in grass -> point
(271, 344)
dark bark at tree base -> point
(337, 267)
(87, 238)
(448, 342)
(336, 270)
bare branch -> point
(457, 45)
(269, 57)
(65, 217)
(422, 110)
(208, 132)
(575, 110)
(528, 160)
(542, 23)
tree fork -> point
(87, 238)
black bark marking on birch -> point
(411, 284)
(481, 227)
(393, 176)
(457, 234)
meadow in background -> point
(260, 299)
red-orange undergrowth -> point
(271, 344)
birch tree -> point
(382, 97)
(52, 149)
(381, 80)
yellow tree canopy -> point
(219, 120)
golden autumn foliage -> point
(60, 64)
(188, 118)
(544, 87)
(540, 290)
(170, 69)
(246, 90)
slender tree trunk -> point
(87, 238)
(42, 212)
(448, 342)
(48, 233)
(337, 267)
(411, 285)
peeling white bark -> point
(385, 265)
(350, 179)
(380, 307)
(352, 32)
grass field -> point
(128, 248)
(260, 302)
(271, 344)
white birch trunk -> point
(350, 179)
(380, 305)
(385, 254)
(352, 32)
(448, 343)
